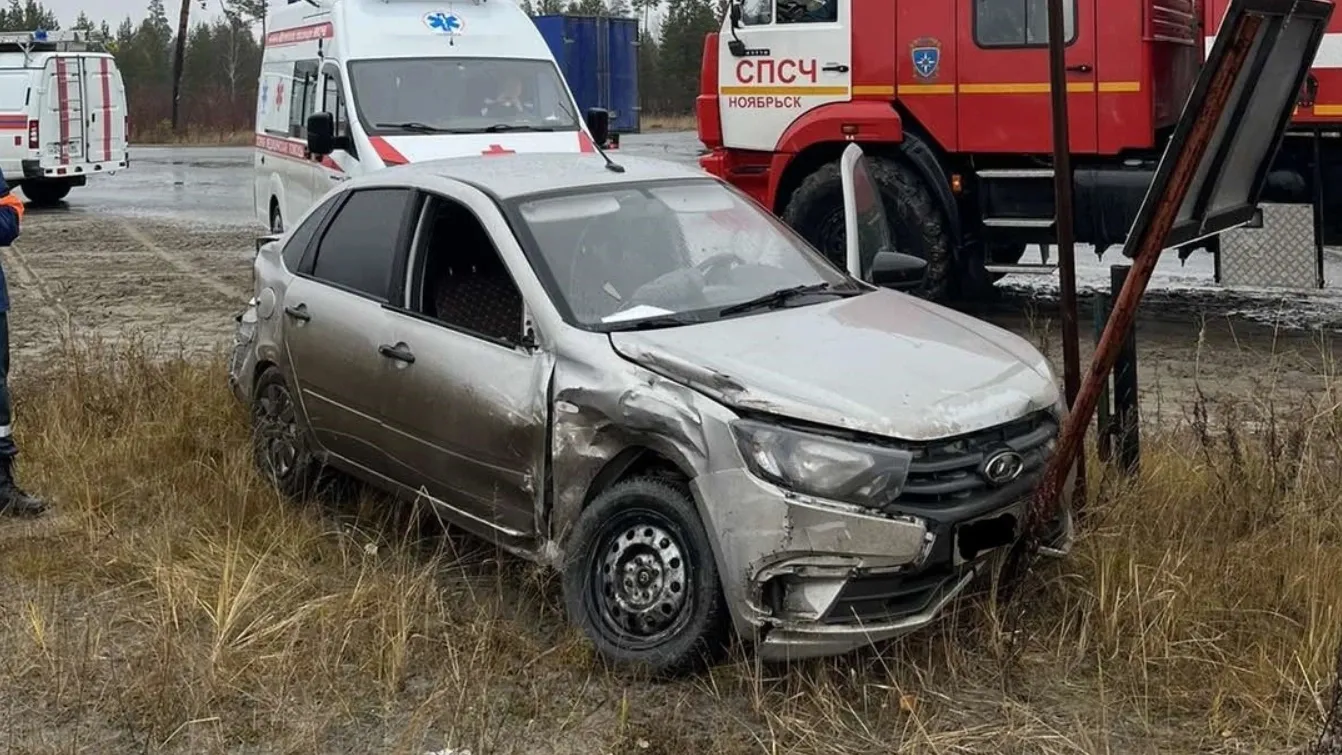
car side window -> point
(302, 235)
(807, 11)
(1018, 23)
(460, 280)
(358, 250)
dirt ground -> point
(116, 278)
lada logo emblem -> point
(1002, 467)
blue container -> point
(598, 56)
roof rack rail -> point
(41, 40)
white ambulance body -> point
(406, 81)
(62, 113)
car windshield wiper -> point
(653, 323)
(782, 296)
(498, 127)
(412, 126)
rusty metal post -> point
(1064, 225)
(1148, 248)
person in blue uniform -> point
(13, 500)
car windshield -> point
(460, 95)
(663, 254)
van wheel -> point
(917, 223)
(280, 446)
(276, 222)
(640, 579)
(46, 193)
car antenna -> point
(611, 165)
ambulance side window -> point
(303, 97)
(1018, 23)
(333, 101)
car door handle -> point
(400, 352)
(299, 312)
(1079, 68)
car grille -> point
(947, 474)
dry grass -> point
(654, 122)
(162, 136)
(175, 605)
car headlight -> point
(823, 467)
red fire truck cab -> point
(950, 100)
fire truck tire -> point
(918, 222)
(45, 193)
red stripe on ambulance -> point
(300, 34)
(107, 110)
(63, 103)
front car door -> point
(1002, 74)
(336, 326)
(800, 58)
(466, 403)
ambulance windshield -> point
(460, 95)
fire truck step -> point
(1018, 222)
(1023, 174)
(1023, 269)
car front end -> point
(836, 542)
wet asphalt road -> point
(213, 185)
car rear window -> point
(358, 250)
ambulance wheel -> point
(918, 224)
(276, 222)
(45, 193)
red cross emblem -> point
(497, 149)
(279, 94)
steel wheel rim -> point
(640, 583)
(277, 431)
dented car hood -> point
(885, 363)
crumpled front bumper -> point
(242, 360)
(809, 579)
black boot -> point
(13, 500)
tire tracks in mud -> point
(180, 265)
(48, 303)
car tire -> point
(281, 449)
(918, 225)
(276, 220)
(640, 579)
(46, 193)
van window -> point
(14, 91)
(459, 95)
(302, 97)
(333, 101)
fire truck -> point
(950, 101)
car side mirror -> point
(598, 122)
(734, 13)
(895, 270)
(321, 134)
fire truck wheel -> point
(45, 193)
(918, 224)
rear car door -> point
(467, 401)
(63, 119)
(105, 116)
(1002, 75)
(335, 322)
(800, 60)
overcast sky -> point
(115, 10)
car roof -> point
(514, 175)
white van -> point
(402, 81)
(62, 113)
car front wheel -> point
(640, 578)
(279, 444)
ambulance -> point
(62, 113)
(388, 82)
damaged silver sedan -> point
(645, 380)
